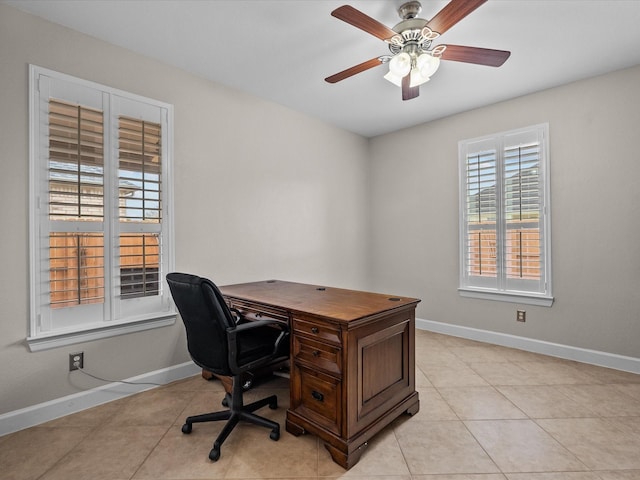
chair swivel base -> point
(235, 414)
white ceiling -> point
(282, 50)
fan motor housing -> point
(411, 24)
(411, 32)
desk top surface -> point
(336, 303)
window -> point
(100, 212)
(504, 230)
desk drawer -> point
(318, 398)
(320, 330)
(317, 354)
(256, 310)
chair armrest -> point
(259, 323)
(233, 334)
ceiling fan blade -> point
(354, 17)
(409, 92)
(480, 56)
(374, 62)
(452, 13)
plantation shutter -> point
(140, 160)
(480, 200)
(76, 194)
(99, 223)
(504, 241)
(139, 249)
(523, 209)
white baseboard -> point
(44, 412)
(593, 357)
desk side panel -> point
(380, 368)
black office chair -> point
(220, 342)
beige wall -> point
(260, 192)
(595, 167)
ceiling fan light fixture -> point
(416, 78)
(421, 69)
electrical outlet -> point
(76, 361)
(521, 316)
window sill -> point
(60, 339)
(523, 298)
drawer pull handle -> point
(315, 353)
(314, 330)
(318, 396)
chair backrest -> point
(206, 317)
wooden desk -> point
(352, 359)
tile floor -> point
(486, 413)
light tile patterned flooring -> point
(486, 413)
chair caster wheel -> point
(274, 435)
(214, 454)
(225, 402)
(186, 428)
(273, 405)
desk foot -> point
(413, 409)
(345, 460)
(293, 428)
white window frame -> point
(500, 288)
(90, 322)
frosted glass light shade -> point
(393, 78)
(400, 65)
(427, 64)
(417, 78)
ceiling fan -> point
(412, 60)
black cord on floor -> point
(119, 381)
